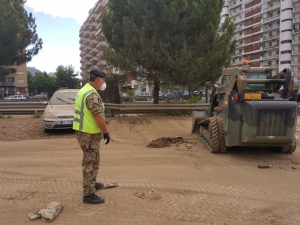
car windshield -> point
(63, 98)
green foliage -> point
(130, 94)
(18, 31)
(171, 41)
(1, 116)
(193, 99)
(41, 82)
(37, 115)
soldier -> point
(89, 124)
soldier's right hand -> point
(106, 137)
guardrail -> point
(23, 108)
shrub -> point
(37, 115)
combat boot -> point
(93, 199)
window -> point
(8, 80)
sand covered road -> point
(172, 185)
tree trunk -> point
(156, 92)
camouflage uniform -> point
(90, 145)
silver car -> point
(59, 113)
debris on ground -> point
(48, 214)
(147, 194)
(264, 166)
(169, 141)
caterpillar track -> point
(211, 133)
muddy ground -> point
(171, 185)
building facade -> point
(15, 83)
(92, 42)
(267, 33)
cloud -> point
(79, 9)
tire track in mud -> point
(124, 181)
(171, 206)
(229, 166)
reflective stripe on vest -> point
(81, 113)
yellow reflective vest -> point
(83, 119)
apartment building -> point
(92, 42)
(267, 33)
(14, 83)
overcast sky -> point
(58, 23)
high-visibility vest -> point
(84, 120)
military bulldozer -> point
(249, 108)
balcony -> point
(98, 17)
(87, 48)
(239, 28)
(239, 45)
(94, 59)
(274, 65)
(231, 6)
(94, 43)
(275, 6)
(92, 34)
(270, 27)
(271, 18)
(100, 36)
(296, 41)
(8, 83)
(99, 26)
(85, 27)
(296, 9)
(87, 41)
(270, 47)
(101, 63)
(296, 62)
(296, 73)
(238, 20)
(92, 26)
(271, 37)
(100, 54)
(296, 20)
(235, 13)
(237, 37)
(236, 62)
(101, 45)
(296, 52)
(236, 54)
(296, 30)
(270, 56)
(87, 56)
(81, 40)
(87, 63)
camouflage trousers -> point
(90, 145)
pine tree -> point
(173, 41)
(17, 32)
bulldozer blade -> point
(197, 117)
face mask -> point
(103, 87)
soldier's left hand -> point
(106, 137)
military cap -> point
(98, 73)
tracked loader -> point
(249, 108)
